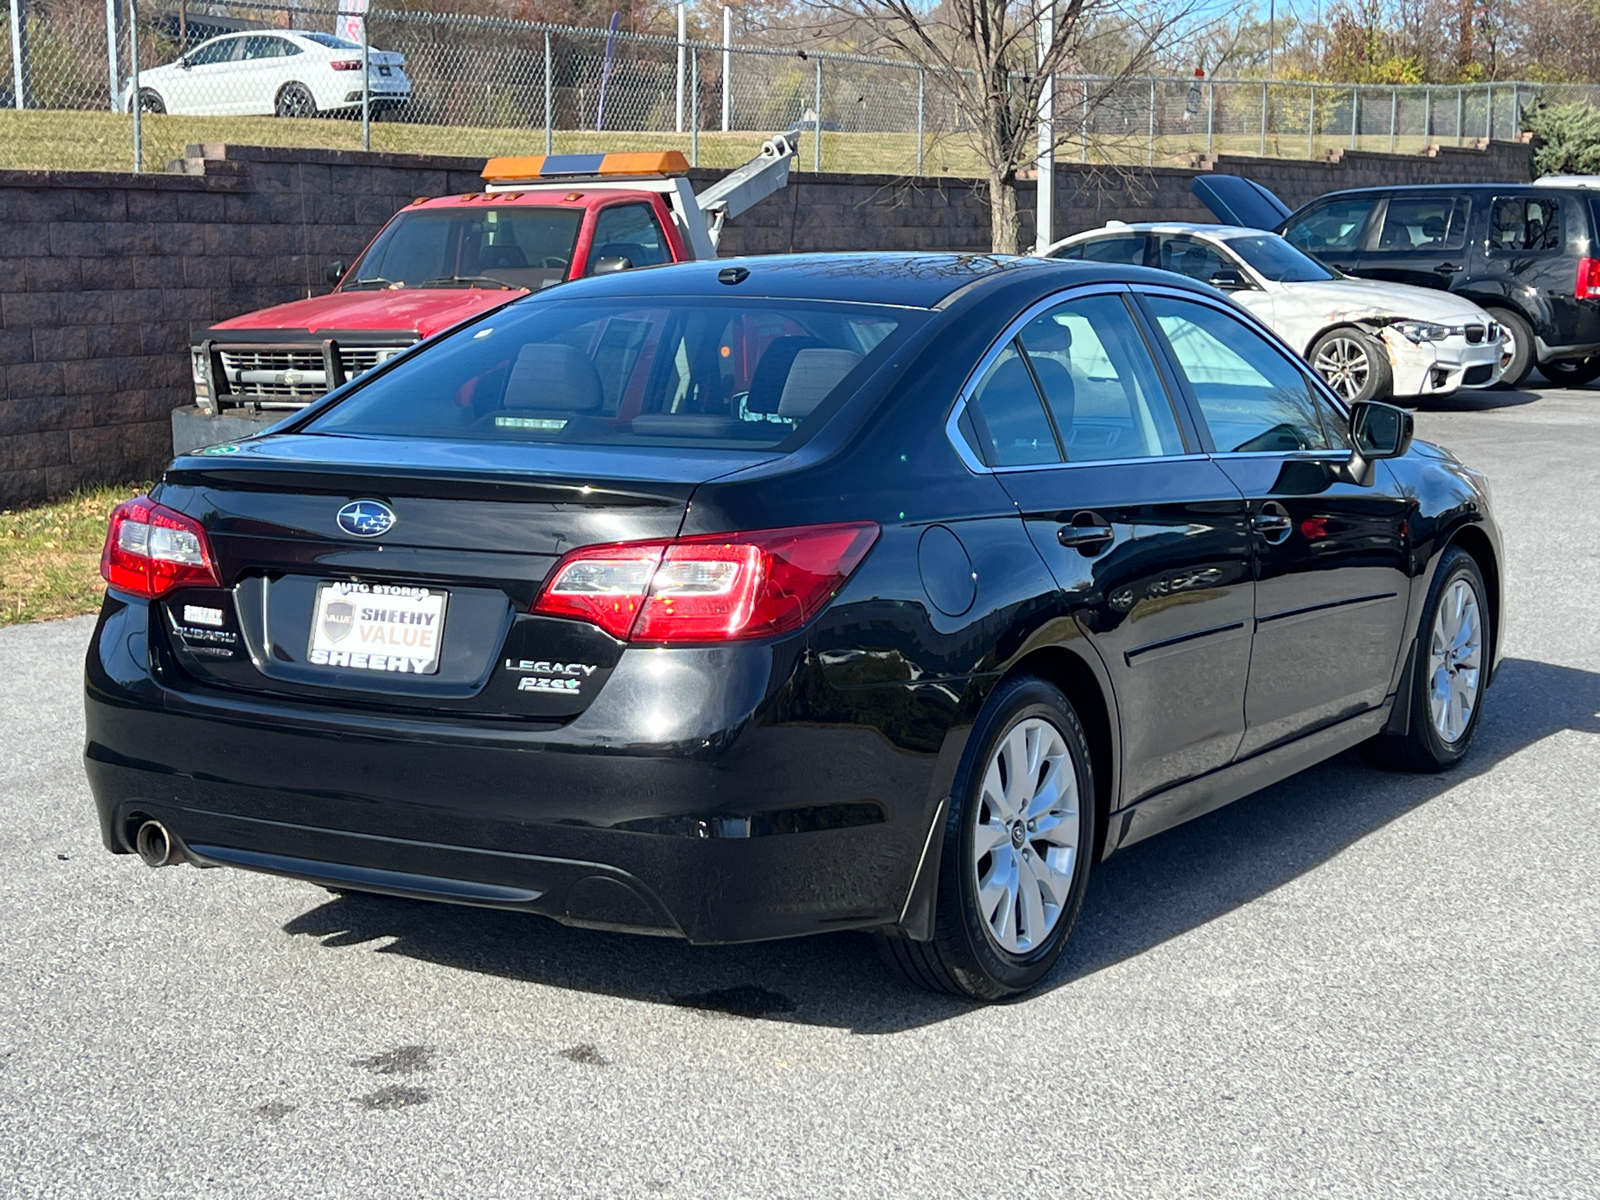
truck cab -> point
(539, 222)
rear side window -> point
(1435, 223)
(630, 373)
(629, 232)
(1125, 250)
(1102, 398)
(1253, 398)
(1525, 223)
(1334, 227)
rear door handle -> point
(1085, 537)
(1272, 526)
(1447, 269)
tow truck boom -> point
(750, 184)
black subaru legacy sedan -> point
(759, 598)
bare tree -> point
(994, 57)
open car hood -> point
(1234, 200)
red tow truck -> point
(539, 222)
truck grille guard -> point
(285, 375)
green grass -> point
(50, 555)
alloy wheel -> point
(1455, 661)
(1345, 365)
(1025, 836)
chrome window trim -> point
(952, 425)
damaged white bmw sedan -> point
(1369, 340)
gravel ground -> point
(1353, 984)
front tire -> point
(1353, 364)
(1571, 372)
(1017, 846)
(1518, 354)
(150, 101)
(295, 100)
(1454, 654)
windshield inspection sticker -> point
(377, 627)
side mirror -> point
(1376, 431)
(1229, 280)
(611, 264)
(335, 271)
(185, 63)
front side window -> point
(1525, 223)
(629, 232)
(1123, 249)
(525, 247)
(218, 51)
(1333, 228)
(1192, 257)
(1253, 398)
(1431, 223)
(629, 372)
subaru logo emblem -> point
(366, 518)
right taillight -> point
(1588, 287)
(151, 550)
(714, 588)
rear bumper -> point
(743, 827)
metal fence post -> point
(680, 66)
(1311, 124)
(727, 65)
(1150, 142)
(1427, 117)
(694, 106)
(1211, 116)
(1355, 115)
(549, 100)
(366, 86)
(1263, 119)
(1488, 115)
(1461, 115)
(111, 53)
(133, 85)
(1394, 115)
(922, 82)
(1084, 125)
(1044, 201)
(19, 32)
(816, 127)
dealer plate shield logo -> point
(366, 518)
(389, 628)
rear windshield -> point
(662, 371)
(1277, 260)
(457, 247)
(332, 41)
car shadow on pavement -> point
(1472, 401)
(1137, 900)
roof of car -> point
(1430, 188)
(1202, 228)
(907, 280)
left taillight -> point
(716, 588)
(151, 550)
(347, 64)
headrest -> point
(1047, 336)
(815, 373)
(772, 372)
(1433, 227)
(552, 377)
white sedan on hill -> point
(276, 72)
(1370, 340)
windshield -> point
(1278, 261)
(674, 372)
(520, 247)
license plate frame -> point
(381, 628)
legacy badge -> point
(366, 518)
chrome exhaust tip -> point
(156, 846)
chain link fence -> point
(407, 81)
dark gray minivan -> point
(1527, 253)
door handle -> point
(1090, 538)
(1447, 269)
(1273, 526)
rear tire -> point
(295, 100)
(150, 101)
(1354, 364)
(1571, 372)
(1520, 334)
(1454, 653)
(1017, 845)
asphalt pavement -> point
(1353, 984)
